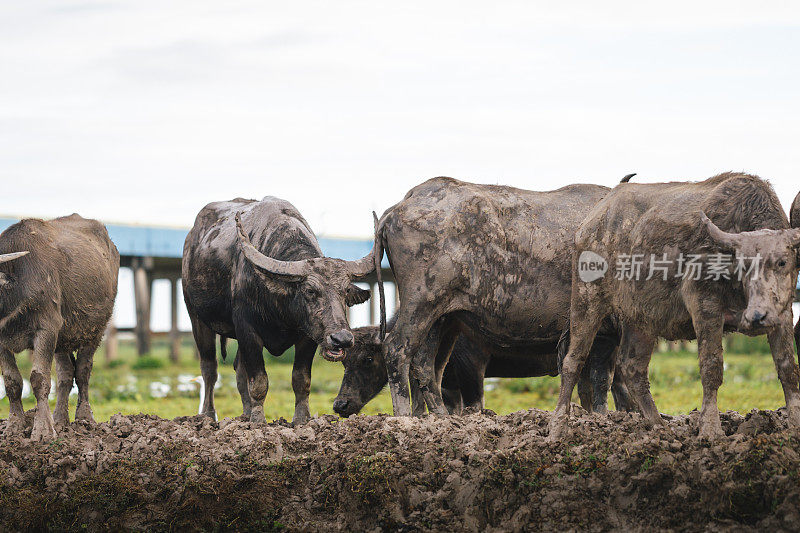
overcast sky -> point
(145, 111)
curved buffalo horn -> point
(12, 256)
(366, 265)
(287, 270)
(723, 238)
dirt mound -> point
(473, 473)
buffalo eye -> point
(781, 263)
(368, 360)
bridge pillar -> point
(142, 291)
(174, 333)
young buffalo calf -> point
(58, 281)
(469, 363)
(692, 260)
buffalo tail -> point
(378, 257)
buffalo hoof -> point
(61, 418)
(15, 427)
(559, 427)
(711, 429)
(300, 418)
(794, 417)
(43, 429)
(83, 413)
(210, 414)
(559, 424)
(257, 416)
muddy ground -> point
(476, 472)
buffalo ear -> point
(794, 242)
(797, 258)
(356, 295)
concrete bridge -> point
(153, 253)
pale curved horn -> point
(289, 270)
(366, 265)
(723, 238)
(12, 256)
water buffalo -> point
(488, 259)
(674, 225)
(462, 377)
(58, 282)
(267, 285)
(794, 221)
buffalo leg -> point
(241, 384)
(43, 350)
(417, 398)
(447, 375)
(709, 350)
(205, 339)
(593, 382)
(708, 323)
(400, 344)
(301, 379)
(601, 368)
(780, 342)
(585, 321)
(252, 352)
(423, 369)
(635, 367)
(619, 391)
(585, 389)
(472, 387)
(452, 388)
(452, 400)
(797, 336)
(65, 375)
(83, 371)
(13, 384)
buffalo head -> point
(319, 289)
(364, 372)
(770, 261)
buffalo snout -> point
(340, 406)
(341, 339)
(335, 345)
(758, 317)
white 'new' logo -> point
(591, 266)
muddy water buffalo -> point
(254, 271)
(487, 259)
(794, 221)
(673, 225)
(58, 282)
(469, 363)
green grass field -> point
(153, 385)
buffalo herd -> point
(492, 280)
